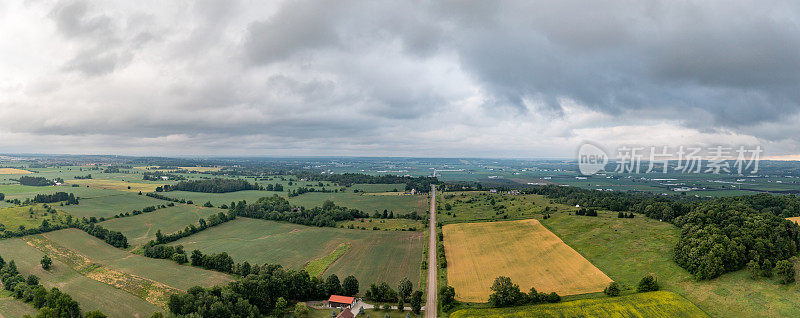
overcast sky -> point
(396, 78)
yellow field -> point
(116, 185)
(795, 219)
(653, 304)
(13, 171)
(524, 250)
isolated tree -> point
(350, 286)
(416, 302)
(332, 285)
(753, 269)
(504, 293)
(46, 262)
(280, 307)
(447, 296)
(301, 310)
(612, 289)
(648, 283)
(400, 304)
(785, 271)
(405, 288)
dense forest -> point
(277, 208)
(718, 235)
(216, 185)
(35, 181)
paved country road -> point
(431, 302)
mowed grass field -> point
(374, 256)
(143, 227)
(89, 293)
(628, 249)
(652, 304)
(524, 250)
(108, 206)
(117, 185)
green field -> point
(399, 204)
(317, 267)
(374, 256)
(90, 294)
(477, 206)
(653, 304)
(108, 206)
(399, 187)
(628, 249)
(22, 192)
(218, 199)
(29, 216)
(141, 228)
(164, 271)
(383, 224)
(10, 307)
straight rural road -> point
(430, 303)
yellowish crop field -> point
(116, 185)
(795, 219)
(524, 250)
(13, 171)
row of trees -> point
(277, 208)
(56, 197)
(113, 238)
(215, 185)
(505, 293)
(202, 224)
(50, 303)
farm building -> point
(341, 301)
(346, 313)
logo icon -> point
(591, 159)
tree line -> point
(215, 185)
(156, 176)
(277, 208)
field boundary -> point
(154, 292)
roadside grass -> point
(628, 249)
(374, 256)
(317, 267)
(652, 304)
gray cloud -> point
(445, 78)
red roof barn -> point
(341, 301)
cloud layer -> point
(404, 78)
